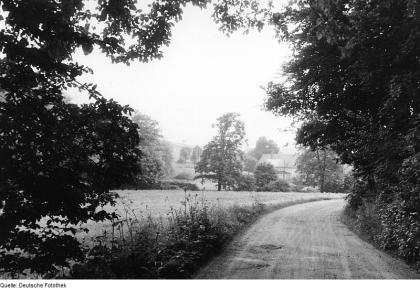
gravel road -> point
(305, 241)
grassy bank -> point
(171, 247)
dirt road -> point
(305, 241)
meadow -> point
(158, 204)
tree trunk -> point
(372, 184)
(219, 182)
(323, 171)
(321, 168)
(322, 183)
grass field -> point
(158, 203)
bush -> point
(309, 189)
(171, 185)
(333, 186)
(167, 186)
(390, 218)
(183, 176)
(301, 188)
(264, 174)
(400, 217)
(245, 183)
(348, 182)
(276, 186)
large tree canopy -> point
(354, 77)
(354, 80)
(58, 161)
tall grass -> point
(174, 246)
(171, 247)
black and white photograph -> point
(209, 140)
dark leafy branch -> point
(59, 161)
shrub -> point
(333, 185)
(309, 189)
(166, 186)
(348, 183)
(173, 185)
(245, 183)
(400, 218)
(264, 174)
(390, 218)
(186, 185)
(183, 176)
(276, 186)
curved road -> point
(305, 241)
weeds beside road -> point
(172, 247)
(366, 223)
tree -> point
(166, 156)
(157, 158)
(264, 174)
(320, 168)
(59, 160)
(264, 146)
(221, 160)
(149, 130)
(151, 163)
(353, 82)
(184, 155)
(365, 91)
(196, 153)
(250, 163)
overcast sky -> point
(202, 75)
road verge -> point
(151, 249)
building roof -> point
(279, 160)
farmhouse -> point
(284, 164)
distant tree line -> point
(223, 162)
(190, 154)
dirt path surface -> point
(305, 241)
